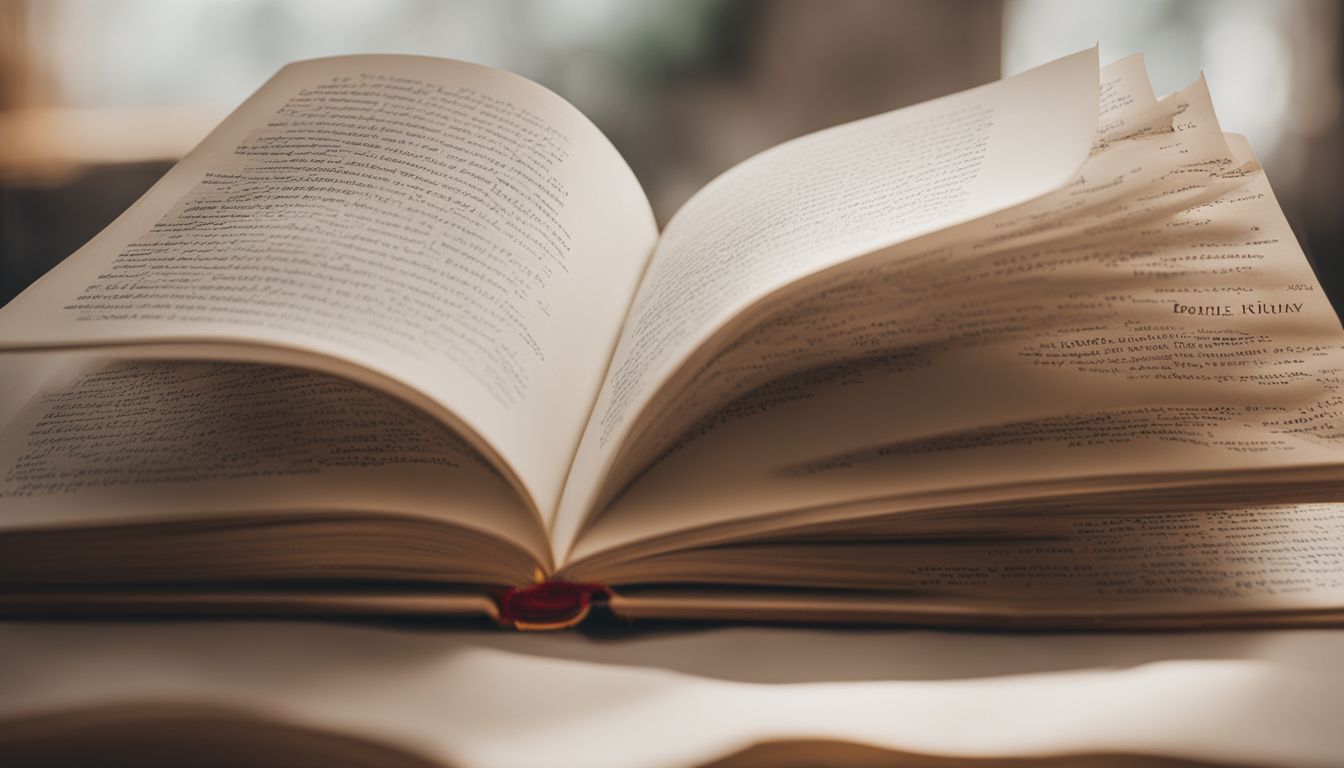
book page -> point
(452, 233)
(1044, 562)
(930, 292)
(105, 443)
(823, 199)
(1201, 344)
(1126, 104)
(1113, 561)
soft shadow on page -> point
(103, 444)
(685, 699)
(822, 199)
(451, 233)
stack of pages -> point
(401, 337)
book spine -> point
(548, 605)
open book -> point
(401, 336)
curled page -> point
(1150, 347)
(820, 200)
(449, 233)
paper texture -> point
(332, 222)
(820, 200)
(1155, 316)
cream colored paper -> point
(105, 442)
(821, 200)
(1092, 357)
(331, 223)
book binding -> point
(548, 604)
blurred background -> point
(97, 98)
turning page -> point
(1167, 327)
(909, 295)
(818, 201)
(450, 233)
